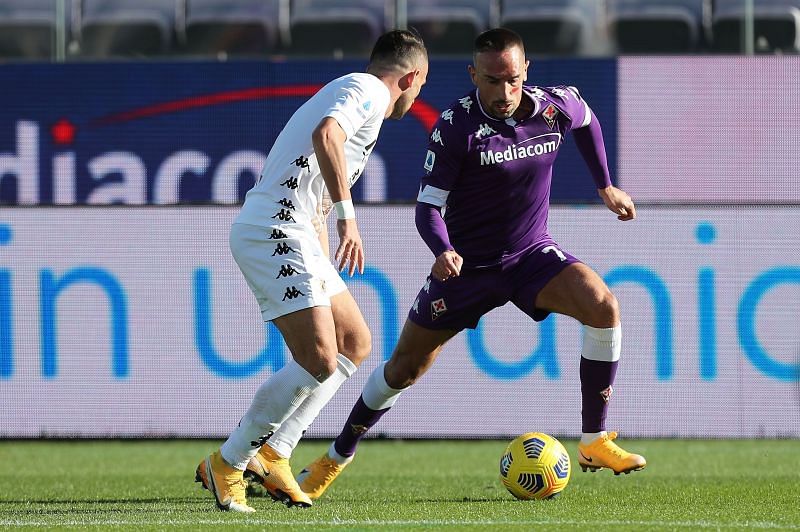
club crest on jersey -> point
(430, 159)
(438, 307)
(549, 114)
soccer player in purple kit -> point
(482, 210)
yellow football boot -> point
(603, 452)
(267, 471)
(225, 482)
(319, 474)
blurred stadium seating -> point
(232, 27)
(776, 26)
(552, 27)
(448, 25)
(667, 26)
(340, 28)
(133, 28)
(28, 28)
(32, 29)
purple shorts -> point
(459, 302)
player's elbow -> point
(326, 133)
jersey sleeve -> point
(354, 105)
(447, 148)
(574, 107)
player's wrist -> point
(345, 210)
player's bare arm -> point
(328, 140)
(618, 202)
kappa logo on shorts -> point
(290, 183)
(606, 394)
(427, 286)
(284, 215)
(277, 234)
(282, 249)
(438, 307)
(302, 162)
(286, 271)
(287, 203)
(292, 293)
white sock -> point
(274, 401)
(341, 460)
(289, 433)
(377, 394)
(604, 345)
(589, 437)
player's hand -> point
(447, 265)
(350, 252)
(618, 202)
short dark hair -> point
(498, 40)
(398, 48)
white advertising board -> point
(136, 322)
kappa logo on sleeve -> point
(436, 136)
(430, 159)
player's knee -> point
(400, 374)
(324, 368)
(604, 310)
(357, 346)
(320, 361)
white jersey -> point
(290, 189)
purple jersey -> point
(493, 176)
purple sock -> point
(596, 380)
(361, 419)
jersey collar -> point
(510, 121)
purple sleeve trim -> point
(589, 140)
(431, 228)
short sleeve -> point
(447, 147)
(355, 103)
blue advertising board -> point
(198, 132)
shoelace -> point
(238, 488)
(612, 447)
(331, 469)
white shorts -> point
(286, 269)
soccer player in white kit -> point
(279, 242)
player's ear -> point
(407, 81)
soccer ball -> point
(535, 466)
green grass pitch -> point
(404, 485)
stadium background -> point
(123, 315)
